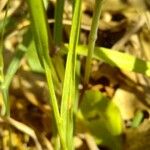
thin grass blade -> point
(121, 60)
(92, 39)
(68, 95)
(58, 26)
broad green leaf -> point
(102, 118)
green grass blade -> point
(58, 29)
(12, 69)
(5, 111)
(44, 43)
(14, 65)
(42, 34)
(121, 60)
(33, 59)
(6, 106)
(92, 39)
(58, 26)
(69, 80)
(1, 66)
(139, 116)
(59, 65)
(40, 28)
(2, 31)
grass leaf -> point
(58, 22)
(44, 43)
(121, 60)
(68, 95)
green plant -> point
(40, 52)
(64, 119)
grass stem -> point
(92, 39)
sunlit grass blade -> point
(2, 31)
(43, 38)
(5, 108)
(68, 95)
(121, 60)
(44, 44)
(92, 39)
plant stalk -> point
(92, 39)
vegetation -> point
(63, 80)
